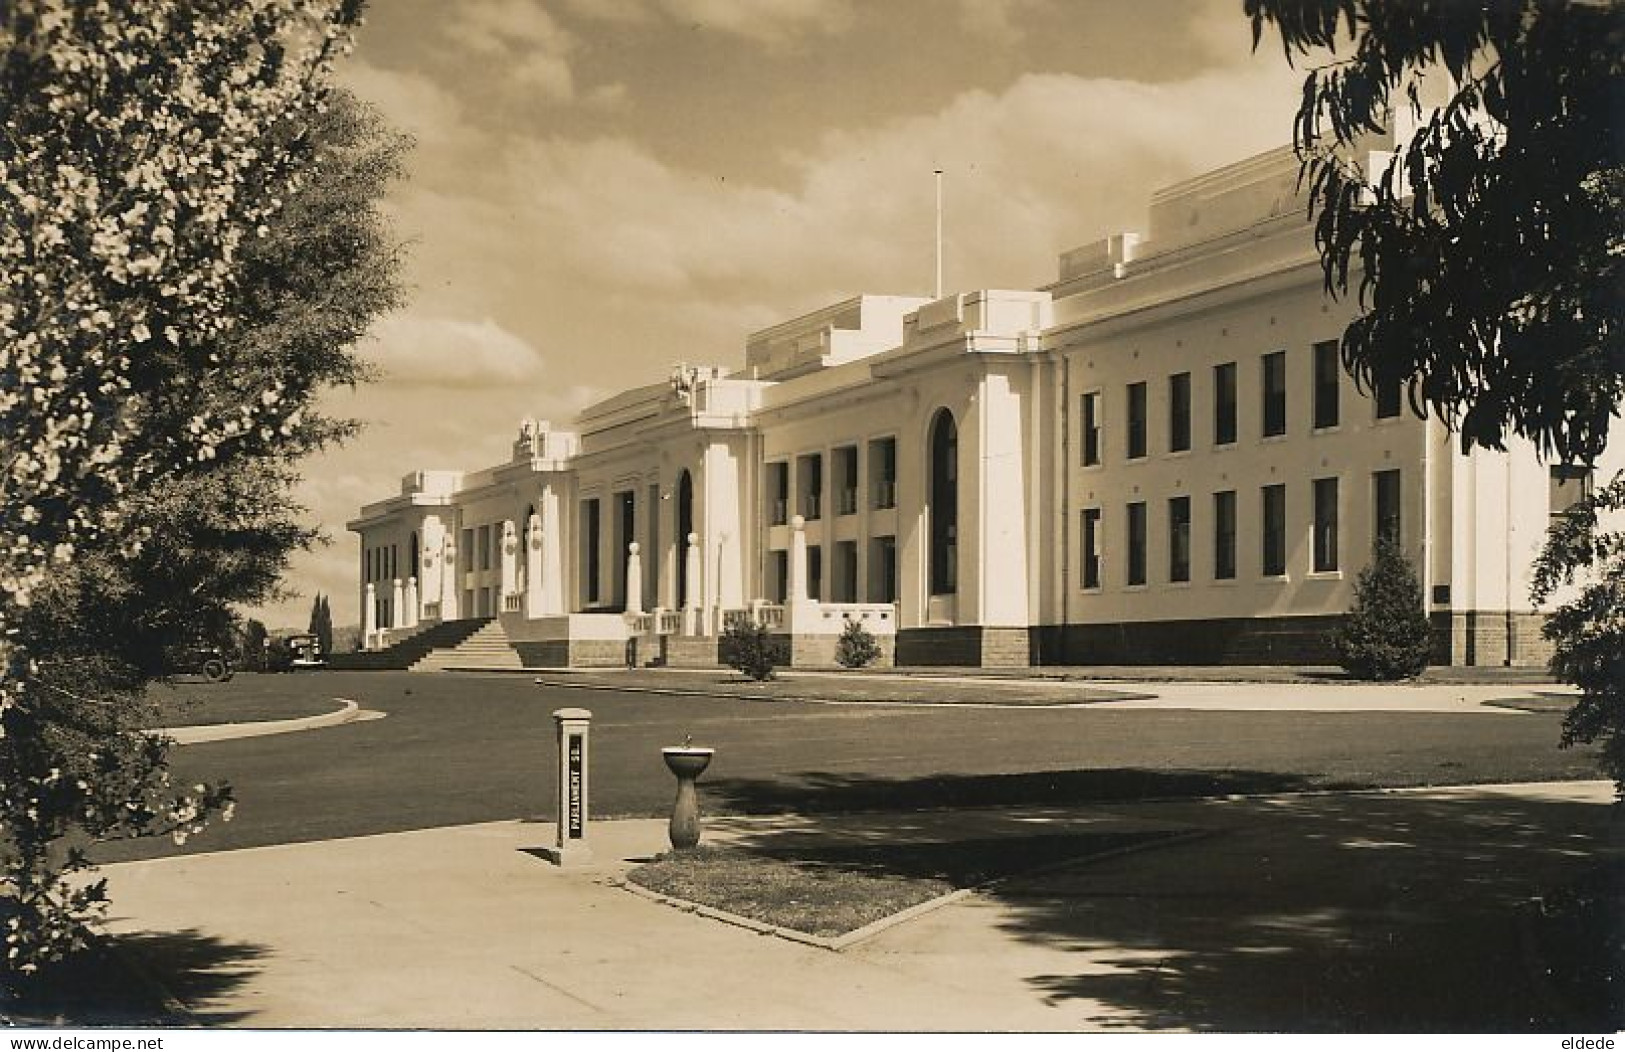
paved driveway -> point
(459, 749)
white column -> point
(796, 590)
(409, 612)
(397, 603)
(691, 574)
(533, 567)
(510, 558)
(369, 617)
(552, 601)
(634, 579)
(730, 587)
(448, 579)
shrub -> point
(857, 646)
(1386, 633)
(749, 648)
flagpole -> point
(938, 294)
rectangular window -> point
(1327, 372)
(844, 583)
(1385, 499)
(846, 481)
(1274, 553)
(1136, 420)
(815, 572)
(485, 547)
(1136, 543)
(883, 570)
(1179, 539)
(1224, 404)
(1089, 414)
(778, 575)
(1224, 535)
(1389, 397)
(590, 555)
(1325, 540)
(1570, 484)
(810, 481)
(1274, 393)
(1091, 548)
(810, 478)
(468, 549)
(1179, 412)
(778, 493)
(883, 472)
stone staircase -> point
(486, 648)
(409, 651)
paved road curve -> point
(469, 748)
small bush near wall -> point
(857, 646)
(1386, 633)
(749, 648)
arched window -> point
(944, 504)
(685, 526)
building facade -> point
(1156, 458)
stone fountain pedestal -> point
(687, 762)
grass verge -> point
(830, 888)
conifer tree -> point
(1386, 633)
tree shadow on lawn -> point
(1449, 911)
(822, 792)
(142, 979)
(1371, 913)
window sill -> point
(1329, 429)
(1221, 446)
(1136, 588)
(1179, 585)
(1176, 454)
(1270, 439)
(1324, 575)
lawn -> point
(828, 888)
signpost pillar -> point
(570, 847)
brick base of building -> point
(973, 646)
(1215, 641)
(573, 653)
(1485, 637)
(688, 652)
(1490, 637)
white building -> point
(1157, 458)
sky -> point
(603, 188)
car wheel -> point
(216, 671)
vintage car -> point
(307, 651)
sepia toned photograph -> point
(916, 517)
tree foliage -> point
(1586, 551)
(190, 246)
(749, 648)
(1486, 253)
(1385, 634)
(321, 624)
(856, 647)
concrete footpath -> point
(1404, 910)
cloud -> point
(450, 352)
(521, 38)
(998, 20)
(772, 22)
